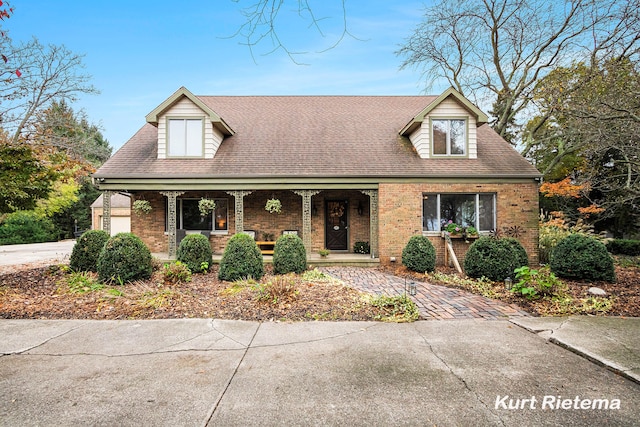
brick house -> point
(346, 169)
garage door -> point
(119, 224)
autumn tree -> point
(76, 148)
(588, 128)
(23, 177)
(496, 51)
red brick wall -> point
(401, 215)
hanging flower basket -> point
(141, 207)
(273, 206)
(206, 206)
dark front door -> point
(336, 236)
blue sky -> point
(140, 52)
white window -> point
(449, 137)
(185, 137)
(476, 210)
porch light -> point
(508, 283)
(360, 208)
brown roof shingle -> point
(315, 136)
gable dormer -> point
(187, 128)
(446, 128)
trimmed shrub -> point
(289, 255)
(624, 247)
(582, 257)
(195, 252)
(124, 258)
(84, 256)
(241, 259)
(26, 227)
(419, 254)
(494, 258)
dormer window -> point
(185, 137)
(449, 137)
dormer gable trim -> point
(215, 119)
(416, 122)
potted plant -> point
(273, 206)
(453, 228)
(471, 231)
(141, 207)
(206, 206)
(324, 252)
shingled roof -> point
(316, 137)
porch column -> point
(373, 220)
(106, 211)
(306, 216)
(171, 219)
(238, 196)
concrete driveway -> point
(24, 254)
(202, 372)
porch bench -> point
(266, 247)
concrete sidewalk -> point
(211, 372)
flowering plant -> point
(141, 207)
(206, 206)
(273, 206)
(452, 227)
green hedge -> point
(124, 258)
(26, 227)
(241, 259)
(419, 254)
(85, 253)
(624, 247)
(195, 252)
(494, 258)
(583, 258)
(289, 255)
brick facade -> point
(400, 216)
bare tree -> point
(48, 73)
(499, 49)
(265, 19)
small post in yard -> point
(449, 248)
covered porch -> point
(313, 259)
(340, 218)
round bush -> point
(26, 227)
(84, 256)
(195, 252)
(124, 258)
(419, 255)
(582, 257)
(289, 255)
(241, 259)
(495, 259)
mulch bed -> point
(625, 292)
(41, 293)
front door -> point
(336, 236)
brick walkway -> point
(433, 301)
